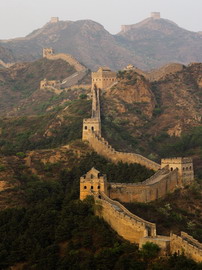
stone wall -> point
(102, 147)
(68, 58)
(187, 245)
(152, 189)
(126, 224)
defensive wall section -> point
(102, 147)
(126, 224)
(130, 226)
(49, 54)
(73, 79)
(187, 245)
(153, 15)
(157, 186)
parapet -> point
(176, 160)
(187, 245)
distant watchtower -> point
(47, 52)
(184, 167)
(92, 183)
(156, 15)
(103, 78)
(54, 20)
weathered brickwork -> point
(187, 245)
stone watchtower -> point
(184, 167)
(47, 52)
(103, 78)
(92, 183)
(156, 15)
(54, 20)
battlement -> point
(177, 160)
(187, 245)
(130, 226)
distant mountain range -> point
(147, 45)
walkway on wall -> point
(120, 208)
(102, 147)
(80, 73)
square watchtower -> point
(92, 183)
(184, 167)
(103, 78)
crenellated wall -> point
(157, 186)
(102, 147)
(126, 224)
(68, 58)
(130, 226)
(187, 245)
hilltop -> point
(148, 44)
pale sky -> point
(20, 17)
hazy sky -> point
(20, 17)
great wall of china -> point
(172, 173)
(68, 82)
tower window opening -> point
(85, 187)
(86, 127)
(91, 187)
(98, 187)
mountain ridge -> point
(149, 44)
